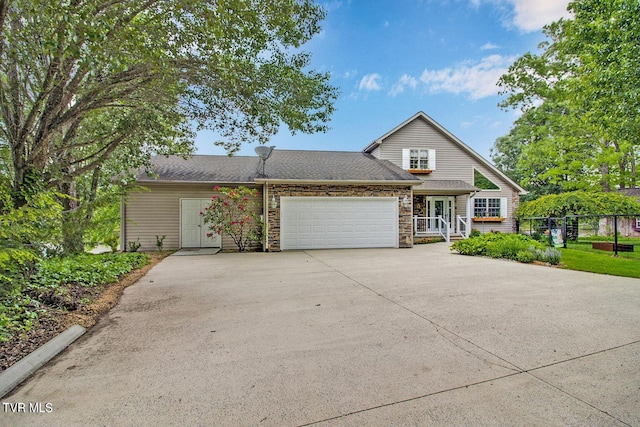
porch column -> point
(467, 229)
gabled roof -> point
(421, 115)
(450, 186)
(283, 165)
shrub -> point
(234, 214)
(134, 246)
(498, 245)
(550, 255)
(160, 242)
(526, 256)
(508, 246)
(471, 246)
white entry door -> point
(338, 222)
(193, 231)
(441, 206)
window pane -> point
(479, 207)
(494, 207)
(482, 182)
(424, 159)
(413, 164)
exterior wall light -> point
(406, 202)
(274, 203)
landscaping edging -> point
(21, 370)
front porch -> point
(437, 226)
(446, 216)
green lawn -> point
(586, 247)
(600, 262)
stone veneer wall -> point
(405, 224)
(420, 205)
(515, 203)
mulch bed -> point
(84, 307)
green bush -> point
(526, 256)
(472, 246)
(550, 255)
(16, 265)
(508, 246)
(498, 245)
(134, 246)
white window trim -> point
(503, 207)
(473, 178)
(406, 158)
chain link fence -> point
(619, 234)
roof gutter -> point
(336, 182)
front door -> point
(193, 231)
(441, 206)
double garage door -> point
(338, 222)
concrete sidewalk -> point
(351, 337)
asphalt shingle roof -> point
(446, 184)
(283, 164)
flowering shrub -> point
(232, 214)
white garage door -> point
(338, 222)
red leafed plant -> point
(233, 213)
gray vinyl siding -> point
(156, 212)
(452, 163)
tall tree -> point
(584, 85)
(80, 79)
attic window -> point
(482, 182)
(419, 159)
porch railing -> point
(431, 225)
(461, 226)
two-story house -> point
(416, 180)
(459, 189)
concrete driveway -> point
(349, 338)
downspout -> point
(467, 230)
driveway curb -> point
(17, 373)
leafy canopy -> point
(79, 80)
(580, 101)
(579, 203)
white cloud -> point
(370, 82)
(531, 15)
(349, 74)
(489, 46)
(404, 82)
(477, 80)
(528, 15)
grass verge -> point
(574, 259)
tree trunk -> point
(604, 170)
(72, 221)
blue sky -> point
(394, 58)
